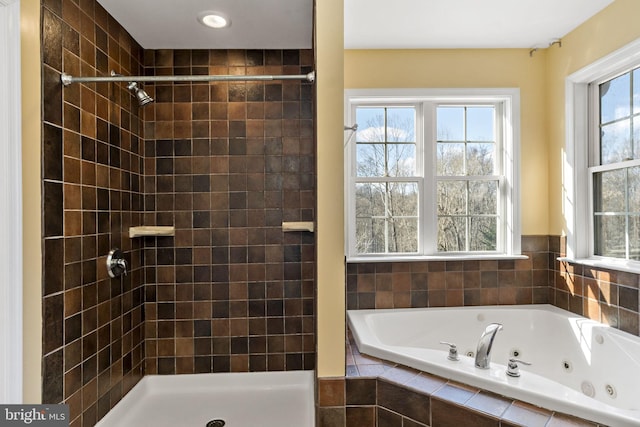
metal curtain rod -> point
(68, 79)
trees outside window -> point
(427, 176)
(615, 167)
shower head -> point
(142, 96)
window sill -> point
(626, 266)
(418, 258)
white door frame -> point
(10, 204)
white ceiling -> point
(255, 24)
(369, 24)
(402, 24)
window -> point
(387, 181)
(601, 175)
(468, 178)
(615, 166)
(432, 173)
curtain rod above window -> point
(68, 79)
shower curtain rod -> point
(68, 79)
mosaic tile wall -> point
(92, 150)
(227, 163)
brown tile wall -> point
(452, 283)
(92, 157)
(376, 391)
(607, 296)
(227, 163)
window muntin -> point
(484, 175)
(615, 170)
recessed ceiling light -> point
(214, 20)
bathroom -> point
(143, 154)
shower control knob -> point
(116, 264)
(453, 351)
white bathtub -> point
(572, 357)
(266, 399)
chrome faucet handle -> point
(453, 351)
(513, 370)
(116, 264)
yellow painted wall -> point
(612, 28)
(481, 68)
(330, 232)
(32, 254)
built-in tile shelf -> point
(298, 226)
(151, 230)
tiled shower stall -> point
(224, 163)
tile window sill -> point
(608, 264)
(418, 258)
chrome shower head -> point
(142, 96)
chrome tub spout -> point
(483, 352)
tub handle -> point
(453, 351)
(513, 370)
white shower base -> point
(265, 399)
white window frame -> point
(11, 208)
(580, 127)
(508, 98)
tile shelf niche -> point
(151, 230)
(298, 226)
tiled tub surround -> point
(546, 336)
(376, 393)
(599, 294)
(226, 164)
(92, 157)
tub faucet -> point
(483, 353)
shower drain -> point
(215, 423)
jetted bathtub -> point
(266, 399)
(578, 366)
